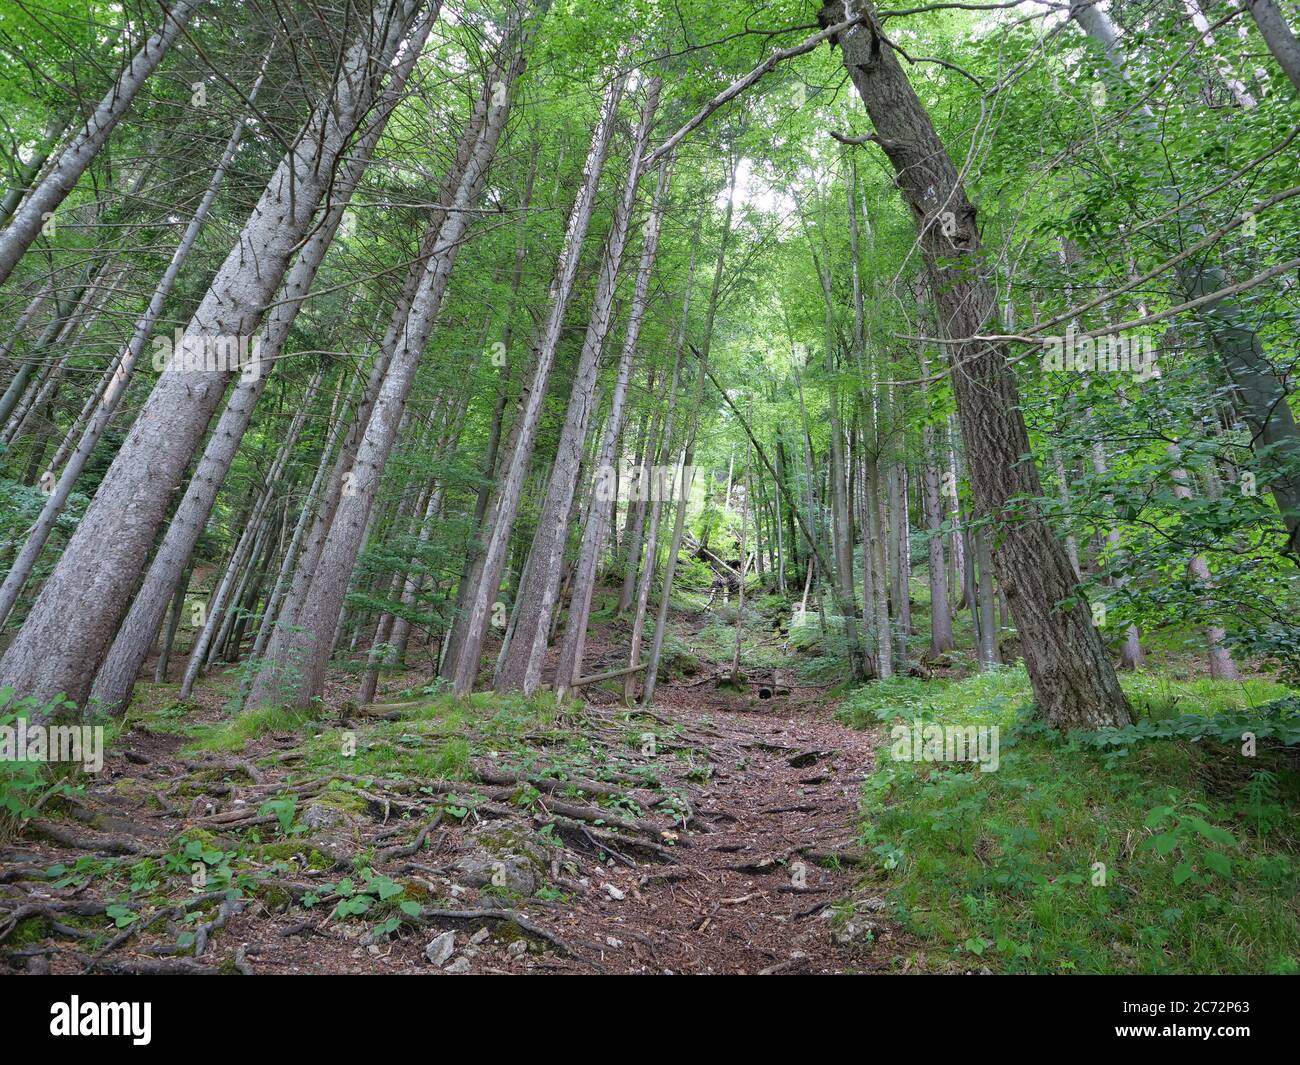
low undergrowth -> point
(1168, 847)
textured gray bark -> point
(324, 601)
(282, 653)
(875, 596)
(599, 519)
(117, 673)
(122, 371)
(537, 598)
(68, 631)
(1073, 680)
(478, 605)
(80, 152)
(223, 603)
(634, 526)
(338, 421)
(653, 517)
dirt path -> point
(765, 880)
(716, 834)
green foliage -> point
(1179, 858)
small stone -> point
(374, 951)
(460, 965)
(319, 815)
(613, 942)
(517, 949)
(441, 948)
(614, 893)
(479, 937)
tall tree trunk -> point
(478, 606)
(112, 686)
(522, 668)
(39, 205)
(122, 371)
(1074, 683)
(569, 667)
(324, 601)
(69, 629)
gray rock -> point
(441, 948)
(509, 871)
(460, 965)
(321, 815)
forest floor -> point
(717, 833)
(721, 831)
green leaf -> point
(1218, 863)
(1157, 816)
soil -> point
(754, 868)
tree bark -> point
(1074, 683)
(69, 629)
(537, 597)
(478, 606)
(1278, 36)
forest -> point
(538, 487)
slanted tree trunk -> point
(478, 606)
(1074, 683)
(37, 207)
(69, 629)
(536, 599)
(54, 130)
(569, 667)
(112, 686)
(324, 601)
(122, 370)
